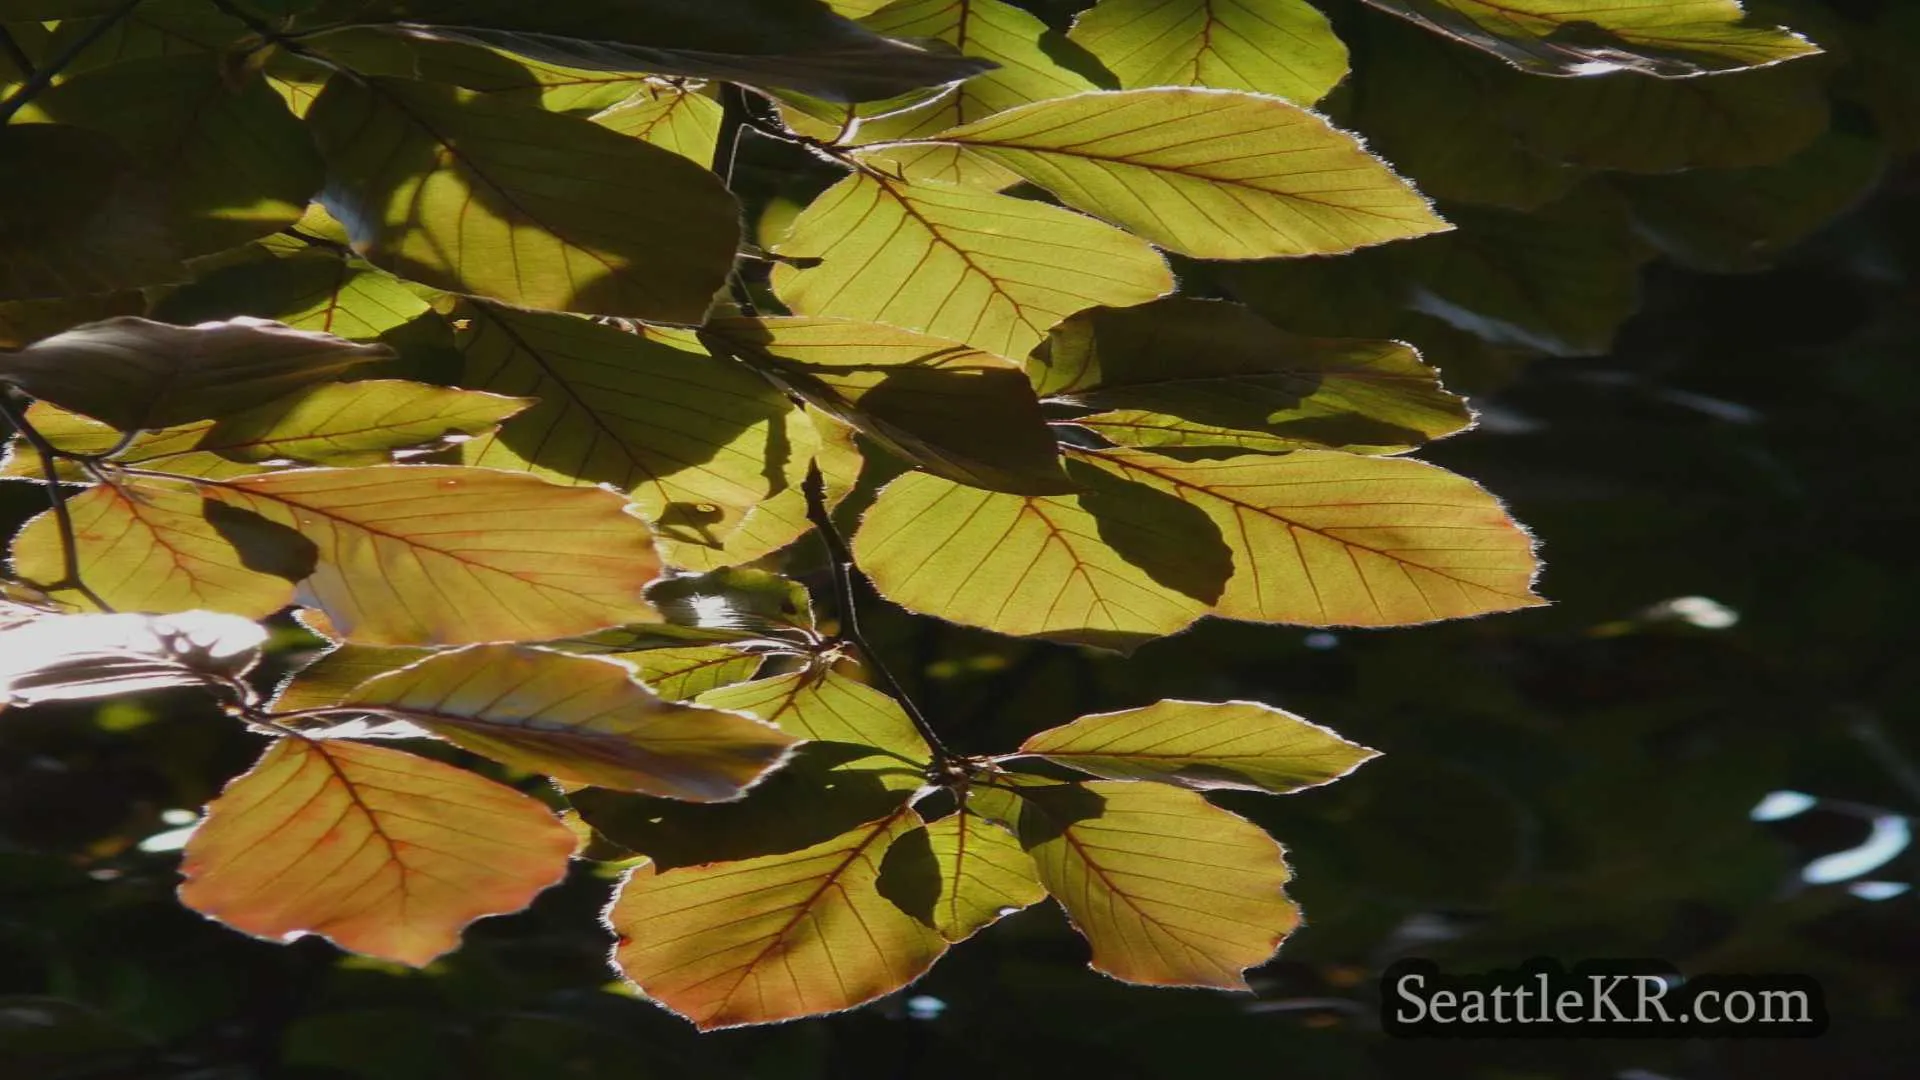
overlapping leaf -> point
(680, 674)
(1027, 71)
(381, 852)
(1114, 566)
(960, 875)
(472, 194)
(1240, 382)
(793, 44)
(772, 938)
(1209, 173)
(308, 290)
(76, 215)
(433, 554)
(697, 441)
(1322, 538)
(1669, 38)
(134, 374)
(47, 656)
(156, 546)
(360, 423)
(1168, 889)
(579, 719)
(1281, 47)
(954, 410)
(1203, 745)
(988, 270)
(683, 121)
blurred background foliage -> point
(1699, 389)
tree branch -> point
(841, 559)
(69, 547)
(38, 82)
(15, 54)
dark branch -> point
(15, 54)
(841, 560)
(38, 82)
(49, 468)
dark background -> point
(1571, 782)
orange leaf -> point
(381, 852)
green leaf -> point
(515, 79)
(1168, 889)
(1741, 220)
(228, 158)
(156, 28)
(1028, 70)
(681, 674)
(1438, 112)
(1561, 279)
(468, 193)
(1239, 382)
(960, 875)
(988, 270)
(308, 290)
(956, 411)
(77, 215)
(382, 853)
(683, 121)
(1668, 38)
(1321, 538)
(1284, 48)
(773, 938)
(134, 373)
(735, 599)
(329, 678)
(159, 546)
(580, 719)
(698, 442)
(1214, 174)
(792, 44)
(863, 759)
(1636, 124)
(359, 423)
(1114, 566)
(442, 555)
(1203, 746)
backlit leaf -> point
(737, 598)
(1168, 889)
(1668, 38)
(772, 938)
(955, 411)
(329, 678)
(1114, 566)
(683, 121)
(472, 194)
(680, 674)
(793, 44)
(1281, 47)
(988, 270)
(991, 30)
(60, 657)
(960, 875)
(1321, 538)
(310, 290)
(1214, 174)
(359, 423)
(698, 442)
(1203, 745)
(827, 707)
(434, 554)
(381, 852)
(156, 546)
(133, 373)
(1240, 382)
(580, 719)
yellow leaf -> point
(443, 555)
(1215, 174)
(772, 938)
(1281, 47)
(579, 719)
(971, 266)
(381, 852)
(960, 875)
(683, 121)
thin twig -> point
(735, 118)
(38, 82)
(17, 56)
(49, 468)
(841, 559)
